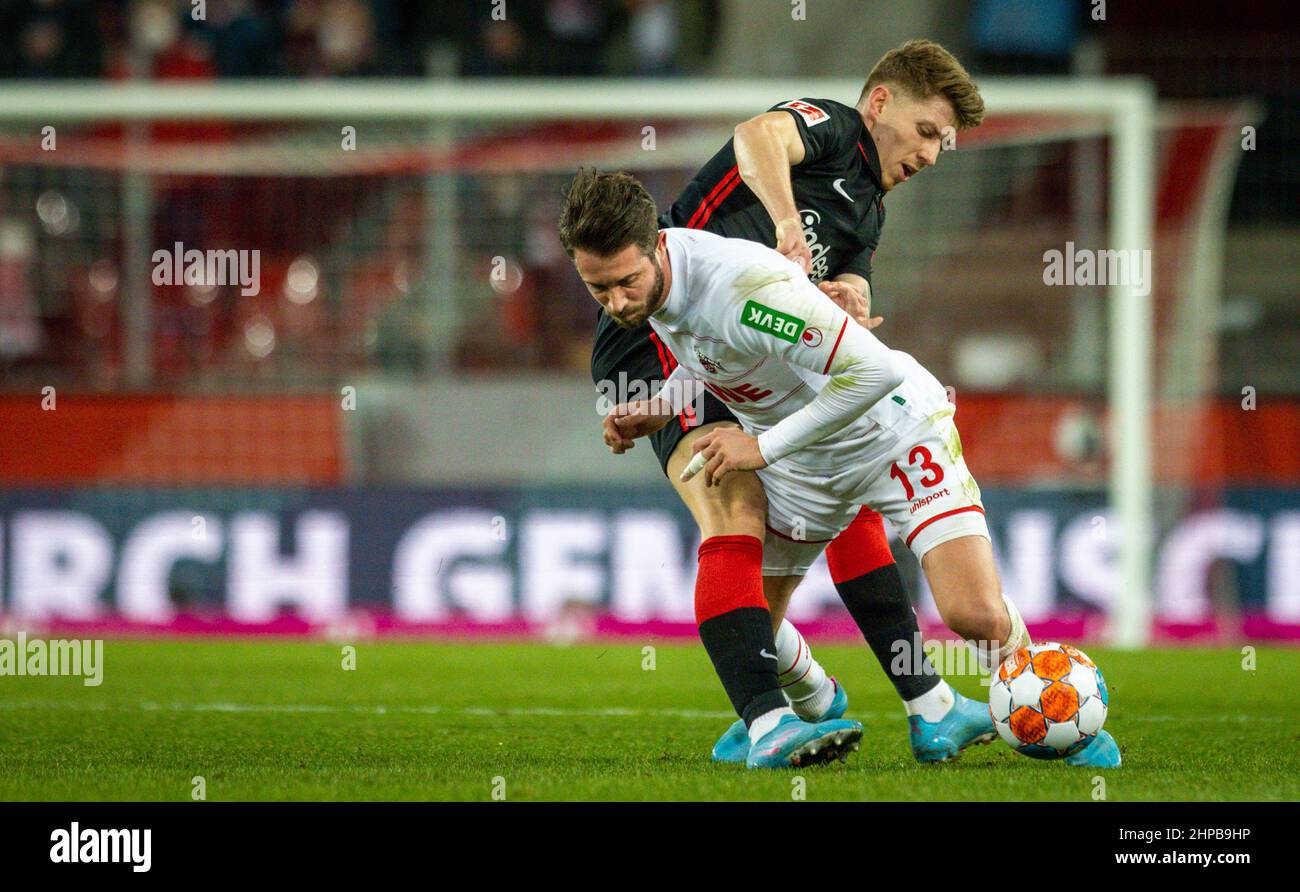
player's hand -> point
(853, 302)
(725, 450)
(790, 242)
(627, 421)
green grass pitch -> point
(421, 721)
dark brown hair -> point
(603, 213)
(922, 69)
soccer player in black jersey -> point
(809, 177)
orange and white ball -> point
(1048, 700)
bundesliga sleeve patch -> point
(772, 322)
(811, 114)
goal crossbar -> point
(1127, 106)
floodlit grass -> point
(420, 721)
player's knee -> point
(746, 503)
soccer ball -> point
(1048, 700)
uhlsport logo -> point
(770, 321)
(920, 503)
(812, 337)
(89, 846)
(208, 268)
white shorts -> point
(919, 482)
(803, 516)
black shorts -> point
(622, 357)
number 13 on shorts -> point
(929, 494)
(933, 474)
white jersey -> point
(820, 392)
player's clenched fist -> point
(722, 451)
(790, 242)
(627, 421)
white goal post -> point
(1126, 105)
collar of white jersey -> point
(676, 300)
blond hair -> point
(922, 69)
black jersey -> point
(837, 190)
(839, 194)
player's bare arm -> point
(767, 146)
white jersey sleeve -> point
(792, 320)
(680, 390)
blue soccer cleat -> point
(1103, 752)
(733, 745)
(798, 744)
(967, 723)
(839, 703)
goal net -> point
(259, 288)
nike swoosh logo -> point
(779, 742)
(838, 186)
(763, 653)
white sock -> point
(1018, 638)
(934, 704)
(766, 722)
(803, 679)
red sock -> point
(730, 576)
(860, 548)
(736, 625)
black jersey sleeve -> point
(861, 264)
(826, 128)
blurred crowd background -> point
(418, 325)
(354, 38)
(432, 257)
(51, 328)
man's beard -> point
(656, 300)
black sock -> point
(879, 605)
(736, 641)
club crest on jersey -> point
(812, 337)
(811, 114)
(712, 366)
(773, 322)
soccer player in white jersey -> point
(831, 419)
